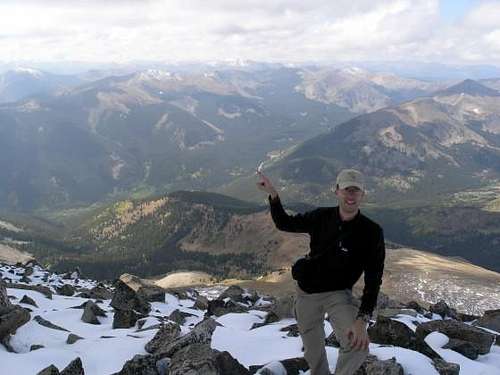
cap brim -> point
(346, 184)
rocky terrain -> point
(64, 323)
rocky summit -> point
(132, 326)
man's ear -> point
(336, 189)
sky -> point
(446, 31)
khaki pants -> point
(310, 314)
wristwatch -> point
(364, 317)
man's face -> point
(349, 198)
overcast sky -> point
(451, 31)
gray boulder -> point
(442, 308)
(72, 338)
(165, 335)
(179, 316)
(11, 319)
(47, 324)
(446, 368)
(200, 334)
(234, 292)
(490, 319)
(373, 366)
(201, 303)
(458, 330)
(4, 298)
(387, 331)
(28, 271)
(147, 291)
(38, 288)
(91, 312)
(466, 348)
(219, 307)
(66, 290)
(283, 307)
(140, 365)
(75, 367)
(127, 299)
(292, 330)
(271, 317)
(200, 359)
(51, 370)
(27, 300)
(98, 292)
(125, 319)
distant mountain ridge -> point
(155, 131)
(19, 83)
(417, 150)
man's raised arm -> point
(299, 223)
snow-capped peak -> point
(30, 71)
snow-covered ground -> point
(104, 350)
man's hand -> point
(266, 185)
(358, 336)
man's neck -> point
(344, 216)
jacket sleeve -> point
(299, 223)
(373, 276)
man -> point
(344, 243)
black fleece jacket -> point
(340, 250)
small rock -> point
(39, 288)
(201, 303)
(293, 330)
(75, 367)
(36, 347)
(91, 312)
(28, 271)
(139, 365)
(165, 335)
(48, 324)
(125, 319)
(220, 307)
(372, 366)
(234, 292)
(51, 370)
(72, 338)
(179, 316)
(25, 279)
(66, 290)
(441, 308)
(446, 368)
(27, 300)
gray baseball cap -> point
(350, 177)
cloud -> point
(279, 30)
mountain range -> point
(418, 150)
(155, 131)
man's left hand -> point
(358, 336)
